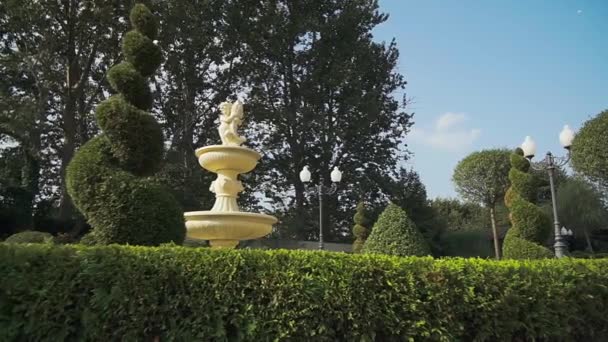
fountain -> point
(225, 225)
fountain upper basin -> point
(222, 157)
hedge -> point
(136, 293)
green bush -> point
(30, 237)
(74, 293)
(590, 149)
(467, 243)
(530, 225)
(106, 177)
(360, 230)
(395, 234)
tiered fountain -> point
(225, 225)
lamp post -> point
(549, 164)
(336, 177)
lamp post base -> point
(561, 247)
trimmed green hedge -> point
(107, 293)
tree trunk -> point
(588, 240)
(69, 125)
(495, 233)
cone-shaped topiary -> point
(360, 230)
(394, 233)
(107, 178)
(530, 225)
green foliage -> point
(581, 207)
(131, 84)
(104, 177)
(409, 193)
(144, 21)
(515, 247)
(531, 227)
(483, 177)
(395, 234)
(30, 237)
(467, 243)
(360, 230)
(193, 294)
(590, 149)
(141, 52)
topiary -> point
(360, 230)
(530, 225)
(590, 149)
(30, 236)
(108, 177)
(394, 233)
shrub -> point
(187, 294)
(106, 178)
(590, 149)
(30, 237)
(395, 234)
(360, 230)
(467, 243)
(530, 225)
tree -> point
(581, 209)
(54, 55)
(108, 176)
(483, 177)
(394, 233)
(360, 230)
(321, 94)
(531, 227)
(198, 38)
(409, 193)
(590, 150)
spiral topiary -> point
(360, 230)
(530, 225)
(108, 178)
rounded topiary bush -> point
(30, 236)
(590, 149)
(530, 225)
(395, 234)
(106, 178)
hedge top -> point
(185, 294)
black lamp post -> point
(550, 164)
(336, 177)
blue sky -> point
(485, 74)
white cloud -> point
(448, 133)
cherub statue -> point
(231, 117)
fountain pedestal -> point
(225, 225)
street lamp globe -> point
(529, 147)
(305, 175)
(566, 137)
(336, 175)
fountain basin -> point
(221, 157)
(225, 229)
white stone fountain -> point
(225, 225)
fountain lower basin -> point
(225, 229)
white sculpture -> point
(231, 117)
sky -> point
(485, 74)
